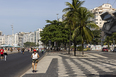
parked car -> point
(114, 49)
(87, 49)
(105, 49)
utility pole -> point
(12, 34)
(57, 16)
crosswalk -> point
(93, 66)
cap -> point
(34, 50)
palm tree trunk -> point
(82, 49)
(69, 42)
(74, 47)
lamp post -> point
(57, 16)
(12, 33)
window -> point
(96, 22)
(100, 22)
(96, 19)
(96, 16)
(100, 12)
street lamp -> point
(57, 16)
(12, 33)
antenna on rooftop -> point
(57, 16)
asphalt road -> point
(16, 64)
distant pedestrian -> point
(18, 50)
(42, 51)
(2, 53)
(34, 57)
(28, 50)
(31, 49)
(23, 49)
(11, 49)
(5, 53)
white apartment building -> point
(31, 37)
(37, 36)
(2, 40)
(98, 11)
(8, 39)
(60, 19)
(15, 39)
(20, 38)
(28, 37)
(11, 39)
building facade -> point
(37, 36)
(20, 38)
(2, 40)
(98, 11)
(28, 37)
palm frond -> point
(88, 34)
(76, 32)
(92, 25)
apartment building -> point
(28, 37)
(37, 36)
(98, 11)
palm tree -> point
(70, 20)
(108, 40)
(83, 26)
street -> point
(59, 64)
(15, 65)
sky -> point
(29, 15)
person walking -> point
(11, 49)
(23, 49)
(34, 57)
(5, 53)
(2, 53)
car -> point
(105, 49)
(114, 50)
(87, 49)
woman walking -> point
(5, 53)
(34, 57)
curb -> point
(39, 60)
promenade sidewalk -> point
(60, 64)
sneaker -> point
(33, 71)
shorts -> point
(5, 53)
(2, 54)
(35, 60)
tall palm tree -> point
(71, 12)
(83, 26)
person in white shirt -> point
(34, 57)
(5, 53)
